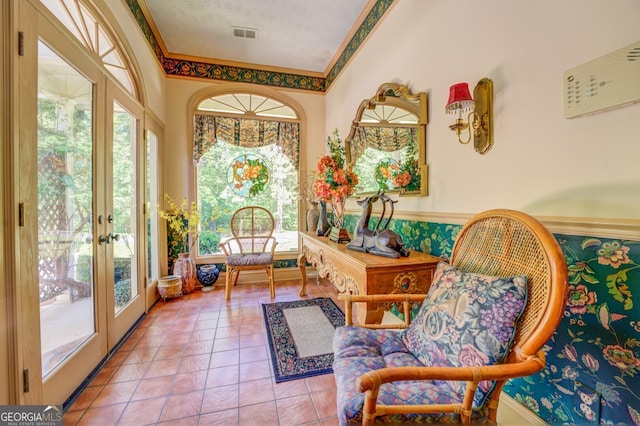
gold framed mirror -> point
(387, 143)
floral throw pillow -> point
(467, 319)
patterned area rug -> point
(300, 336)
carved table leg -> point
(302, 264)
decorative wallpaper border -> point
(206, 70)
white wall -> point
(540, 162)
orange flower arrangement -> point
(335, 181)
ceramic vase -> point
(313, 215)
(185, 266)
(323, 222)
(208, 275)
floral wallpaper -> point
(593, 360)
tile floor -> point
(198, 360)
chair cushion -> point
(248, 259)
(360, 350)
(467, 319)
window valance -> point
(386, 139)
(248, 133)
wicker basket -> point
(170, 286)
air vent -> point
(245, 32)
(634, 54)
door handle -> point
(107, 239)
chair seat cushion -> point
(360, 350)
(249, 259)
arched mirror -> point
(387, 143)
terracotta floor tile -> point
(115, 393)
(256, 391)
(182, 405)
(254, 371)
(226, 344)
(220, 418)
(223, 376)
(153, 387)
(325, 402)
(126, 373)
(164, 367)
(199, 360)
(142, 412)
(296, 410)
(225, 358)
(102, 416)
(324, 381)
(254, 353)
(188, 382)
(258, 415)
(220, 398)
(143, 354)
(174, 350)
(199, 347)
(84, 400)
(290, 388)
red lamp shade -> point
(459, 98)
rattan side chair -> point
(379, 379)
(251, 246)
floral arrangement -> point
(182, 220)
(406, 175)
(335, 180)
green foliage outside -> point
(215, 193)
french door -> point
(79, 157)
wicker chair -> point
(496, 243)
(251, 247)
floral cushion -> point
(467, 319)
(360, 350)
(248, 259)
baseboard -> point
(512, 413)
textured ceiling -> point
(302, 35)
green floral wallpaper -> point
(593, 360)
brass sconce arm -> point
(461, 126)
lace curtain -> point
(248, 133)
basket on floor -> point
(170, 286)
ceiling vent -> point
(245, 32)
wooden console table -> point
(360, 273)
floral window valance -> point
(387, 139)
(248, 133)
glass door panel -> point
(124, 232)
(65, 208)
(152, 198)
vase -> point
(338, 233)
(208, 275)
(313, 216)
(185, 266)
(323, 222)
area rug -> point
(300, 336)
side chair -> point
(251, 246)
(486, 318)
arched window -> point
(246, 151)
(89, 31)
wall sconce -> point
(460, 101)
